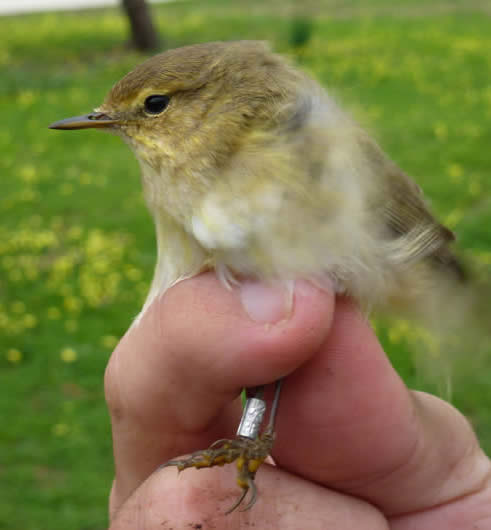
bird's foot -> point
(247, 453)
(248, 450)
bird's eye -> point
(156, 104)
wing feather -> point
(407, 216)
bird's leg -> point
(248, 450)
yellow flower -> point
(61, 429)
(399, 331)
(484, 258)
(440, 130)
(85, 178)
(14, 356)
(72, 304)
(29, 321)
(26, 98)
(133, 273)
(75, 232)
(68, 355)
(453, 218)
(109, 341)
(28, 173)
(455, 171)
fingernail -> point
(265, 303)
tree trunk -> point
(143, 33)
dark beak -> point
(95, 120)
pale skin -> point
(355, 449)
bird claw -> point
(248, 454)
(250, 485)
(248, 450)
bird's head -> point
(196, 104)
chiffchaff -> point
(249, 167)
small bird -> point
(250, 168)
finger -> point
(347, 420)
(199, 500)
(172, 380)
(471, 511)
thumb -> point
(172, 381)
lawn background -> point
(76, 242)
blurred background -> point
(76, 242)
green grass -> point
(76, 242)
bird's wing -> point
(408, 216)
(406, 212)
(415, 231)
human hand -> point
(355, 449)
